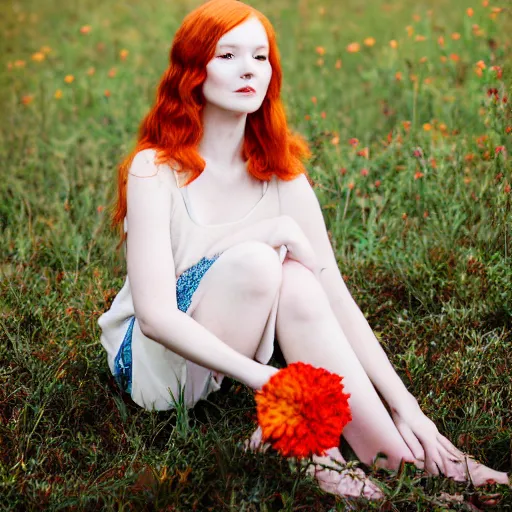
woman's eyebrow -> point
(261, 46)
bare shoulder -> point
(296, 195)
(144, 166)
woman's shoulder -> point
(143, 164)
(299, 184)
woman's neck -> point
(222, 142)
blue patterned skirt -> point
(186, 285)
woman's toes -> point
(479, 474)
(482, 475)
(349, 482)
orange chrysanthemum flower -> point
(302, 410)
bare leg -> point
(308, 331)
(233, 301)
(234, 298)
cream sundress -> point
(147, 370)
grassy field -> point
(407, 109)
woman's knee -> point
(255, 268)
(302, 297)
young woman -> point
(226, 248)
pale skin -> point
(318, 322)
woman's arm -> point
(277, 232)
(152, 278)
(299, 201)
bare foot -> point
(464, 468)
(342, 481)
(479, 474)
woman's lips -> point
(247, 90)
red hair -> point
(173, 126)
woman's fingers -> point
(455, 470)
(450, 448)
(303, 257)
(411, 441)
(256, 438)
(435, 463)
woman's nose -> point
(248, 67)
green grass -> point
(422, 236)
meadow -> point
(407, 109)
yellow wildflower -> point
(38, 56)
(58, 94)
(410, 30)
(369, 41)
(393, 44)
(69, 79)
(123, 54)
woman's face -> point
(240, 62)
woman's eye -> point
(230, 56)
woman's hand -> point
(290, 234)
(432, 451)
(436, 454)
(276, 232)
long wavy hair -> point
(173, 127)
